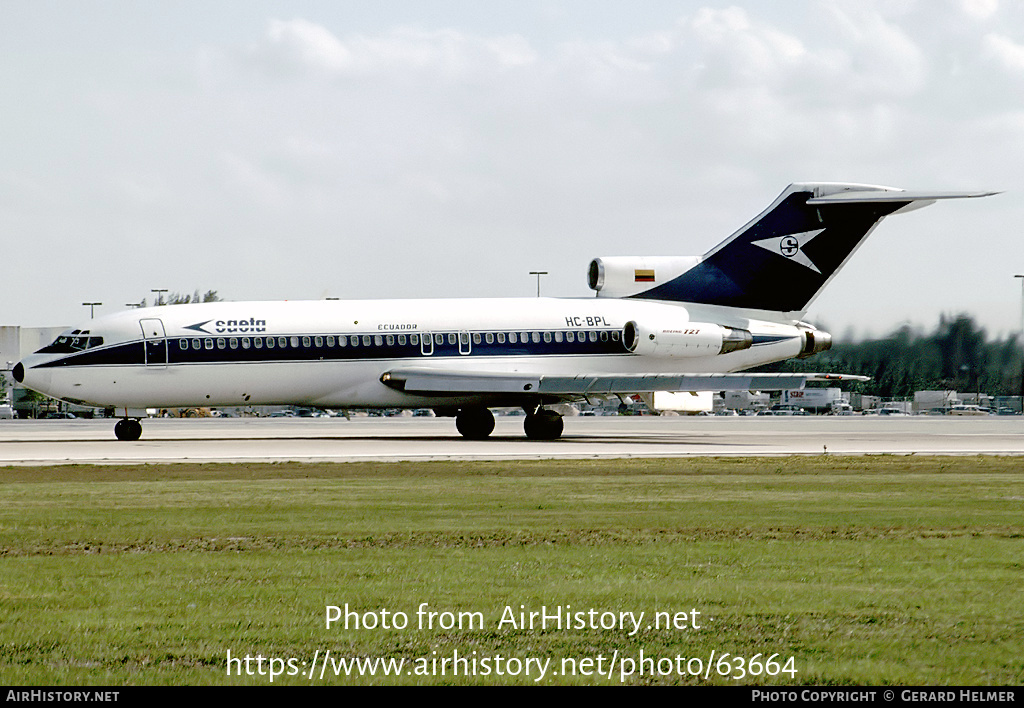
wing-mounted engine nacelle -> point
(623, 276)
(687, 339)
(815, 340)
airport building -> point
(16, 343)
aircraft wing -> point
(439, 382)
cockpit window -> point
(76, 341)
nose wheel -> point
(128, 429)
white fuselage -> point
(333, 353)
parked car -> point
(967, 409)
(786, 409)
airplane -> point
(692, 323)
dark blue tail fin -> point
(781, 260)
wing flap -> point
(439, 382)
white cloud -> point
(1005, 51)
(304, 43)
(301, 44)
(881, 57)
(979, 9)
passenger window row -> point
(380, 340)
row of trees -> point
(956, 356)
(176, 298)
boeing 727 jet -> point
(656, 324)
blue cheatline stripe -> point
(316, 347)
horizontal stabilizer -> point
(892, 195)
(451, 382)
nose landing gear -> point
(128, 429)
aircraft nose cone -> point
(18, 372)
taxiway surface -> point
(337, 439)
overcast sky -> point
(298, 150)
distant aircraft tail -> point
(782, 259)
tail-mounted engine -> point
(684, 340)
(815, 341)
(629, 275)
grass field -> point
(841, 570)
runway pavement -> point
(338, 439)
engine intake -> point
(622, 276)
(690, 339)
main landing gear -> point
(477, 423)
(128, 429)
(543, 425)
(474, 423)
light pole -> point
(538, 273)
(158, 295)
(92, 307)
(1021, 340)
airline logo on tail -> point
(791, 247)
